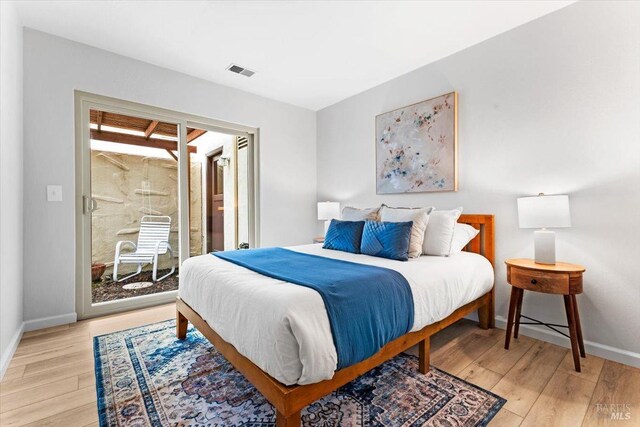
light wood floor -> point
(50, 381)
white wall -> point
(10, 182)
(54, 67)
(552, 106)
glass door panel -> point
(213, 191)
(133, 205)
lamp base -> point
(326, 226)
(545, 247)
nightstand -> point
(560, 279)
(319, 239)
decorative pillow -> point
(420, 218)
(386, 239)
(344, 236)
(355, 214)
(439, 233)
(462, 235)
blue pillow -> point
(344, 236)
(386, 239)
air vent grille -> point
(240, 70)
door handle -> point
(89, 204)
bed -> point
(284, 345)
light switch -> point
(54, 193)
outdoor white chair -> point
(153, 241)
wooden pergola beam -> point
(172, 155)
(151, 128)
(195, 134)
(99, 120)
(122, 138)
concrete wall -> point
(55, 67)
(127, 187)
(11, 171)
(551, 106)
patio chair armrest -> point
(157, 246)
(121, 243)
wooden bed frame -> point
(289, 400)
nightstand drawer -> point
(540, 281)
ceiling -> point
(310, 54)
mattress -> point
(284, 329)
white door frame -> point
(84, 102)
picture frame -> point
(417, 147)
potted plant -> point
(97, 270)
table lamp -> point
(544, 212)
(327, 211)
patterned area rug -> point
(146, 377)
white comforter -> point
(284, 328)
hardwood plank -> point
(45, 331)
(591, 367)
(562, 403)
(616, 396)
(505, 418)
(26, 397)
(457, 356)
(522, 385)
(82, 416)
(44, 377)
(456, 330)
(480, 376)
(500, 360)
(13, 372)
(50, 354)
(87, 380)
(60, 362)
(131, 319)
(53, 336)
(47, 408)
(47, 345)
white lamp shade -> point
(328, 210)
(544, 211)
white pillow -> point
(355, 214)
(439, 233)
(420, 218)
(462, 235)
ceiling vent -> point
(240, 70)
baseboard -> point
(601, 350)
(5, 360)
(47, 322)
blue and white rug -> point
(147, 377)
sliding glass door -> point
(133, 205)
(153, 189)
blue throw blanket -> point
(368, 306)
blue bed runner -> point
(368, 306)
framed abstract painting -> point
(417, 147)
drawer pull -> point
(534, 281)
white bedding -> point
(284, 328)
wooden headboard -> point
(484, 242)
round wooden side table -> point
(561, 279)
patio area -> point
(134, 210)
(105, 289)
(134, 200)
